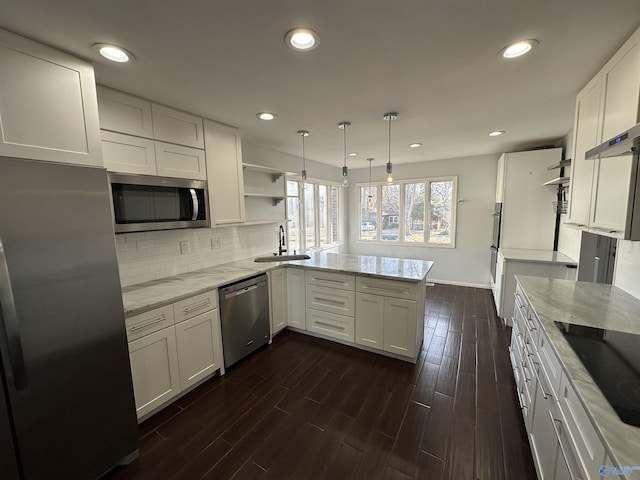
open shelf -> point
(558, 181)
(560, 164)
(276, 198)
(274, 172)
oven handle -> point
(196, 204)
(9, 322)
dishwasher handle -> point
(241, 291)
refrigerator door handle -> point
(196, 204)
(9, 324)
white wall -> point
(468, 262)
(627, 274)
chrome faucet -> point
(281, 241)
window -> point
(314, 216)
(411, 212)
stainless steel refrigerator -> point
(67, 408)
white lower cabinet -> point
(172, 349)
(154, 370)
(400, 326)
(370, 320)
(199, 354)
(296, 305)
(278, 299)
(542, 436)
(340, 327)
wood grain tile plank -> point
(374, 462)
(447, 376)
(464, 405)
(489, 456)
(459, 464)
(436, 434)
(426, 384)
(429, 467)
(393, 413)
(404, 455)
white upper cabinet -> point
(619, 106)
(224, 164)
(174, 126)
(48, 107)
(585, 137)
(124, 113)
(180, 162)
(128, 154)
(609, 104)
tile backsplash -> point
(148, 256)
(627, 274)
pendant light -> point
(303, 133)
(370, 197)
(389, 117)
(345, 170)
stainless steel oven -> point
(143, 202)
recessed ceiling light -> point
(519, 48)
(302, 39)
(113, 53)
(415, 145)
(353, 154)
(266, 115)
(497, 133)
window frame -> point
(426, 242)
(317, 213)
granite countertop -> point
(164, 291)
(599, 306)
(536, 256)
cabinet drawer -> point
(532, 325)
(331, 300)
(149, 322)
(193, 306)
(582, 436)
(343, 281)
(549, 364)
(178, 127)
(331, 325)
(388, 288)
(127, 154)
(520, 298)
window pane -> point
(309, 216)
(334, 215)
(441, 205)
(368, 212)
(390, 212)
(414, 212)
(323, 211)
(293, 223)
(292, 188)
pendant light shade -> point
(303, 133)
(345, 170)
(389, 117)
(370, 197)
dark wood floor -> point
(305, 408)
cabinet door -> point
(124, 113)
(48, 106)
(174, 126)
(154, 369)
(544, 443)
(278, 299)
(198, 353)
(500, 180)
(400, 326)
(224, 164)
(296, 297)
(370, 320)
(585, 128)
(127, 154)
(612, 176)
(180, 162)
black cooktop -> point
(613, 360)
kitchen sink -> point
(282, 258)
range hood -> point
(624, 144)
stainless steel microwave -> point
(143, 203)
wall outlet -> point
(216, 242)
(185, 247)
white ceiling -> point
(432, 61)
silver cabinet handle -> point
(529, 354)
(329, 301)
(530, 324)
(9, 322)
(155, 321)
(386, 289)
(329, 325)
(562, 450)
(330, 280)
(196, 204)
(545, 395)
(198, 306)
(524, 366)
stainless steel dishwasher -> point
(244, 317)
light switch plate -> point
(185, 247)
